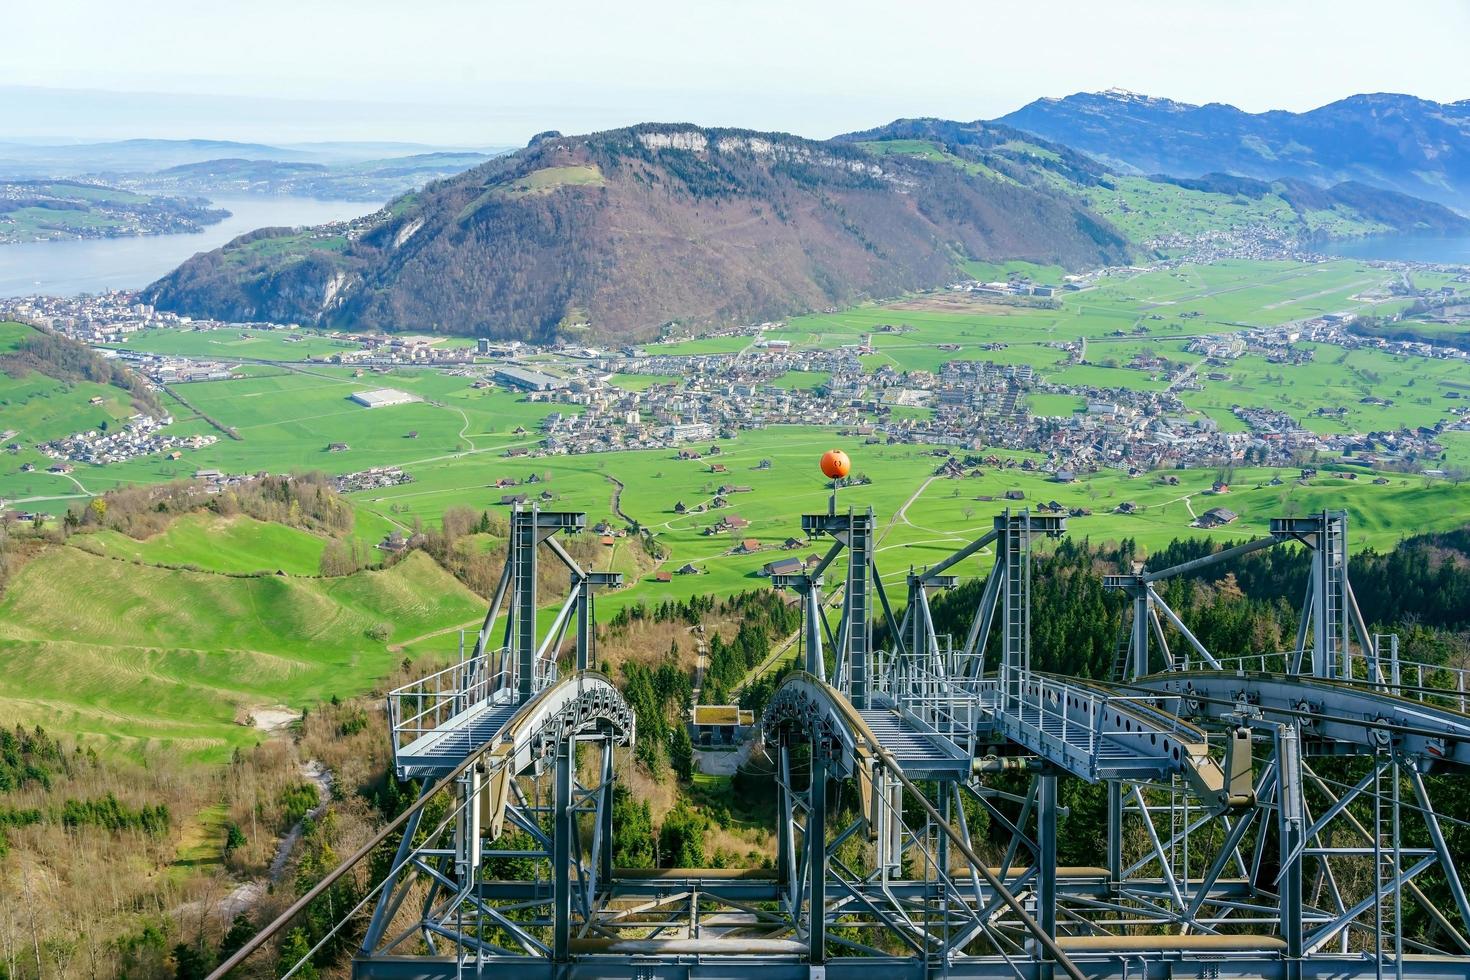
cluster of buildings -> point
(1015, 287)
(371, 479)
(108, 318)
(1258, 241)
(139, 436)
(166, 369)
(972, 404)
(380, 350)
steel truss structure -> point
(1271, 816)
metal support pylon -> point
(852, 532)
(1015, 552)
(912, 899)
(523, 542)
(563, 828)
(816, 842)
(532, 655)
(1289, 829)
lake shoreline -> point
(95, 265)
(1434, 249)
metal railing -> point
(433, 701)
(934, 693)
(1439, 684)
(1076, 720)
(1072, 717)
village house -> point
(1217, 517)
(782, 566)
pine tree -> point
(681, 753)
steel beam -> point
(561, 859)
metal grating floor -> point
(440, 751)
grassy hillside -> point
(136, 657)
(211, 543)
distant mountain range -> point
(326, 171)
(633, 229)
(141, 156)
(365, 180)
(1398, 142)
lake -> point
(1404, 248)
(97, 265)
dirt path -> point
(247, 895)
(464, 428)
(701, 662)
(902, 514)
(398, 647)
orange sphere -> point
(835, 464)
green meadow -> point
(285, 345)
(642, 382)
(217, 544)
(133, 657)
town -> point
(964, 405)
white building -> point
(380, 397)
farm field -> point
(941, 514)
(143, 655)
(1158, 311)
(286, 345)
(1147, 209)
(642, 382)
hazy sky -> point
(480, 72)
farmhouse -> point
(783, 566)
(1217, 517)
(382, 397)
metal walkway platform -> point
(920, 754)
(442, 750)
(1099, 735)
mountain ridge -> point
(636, 228)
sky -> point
(494, 72)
